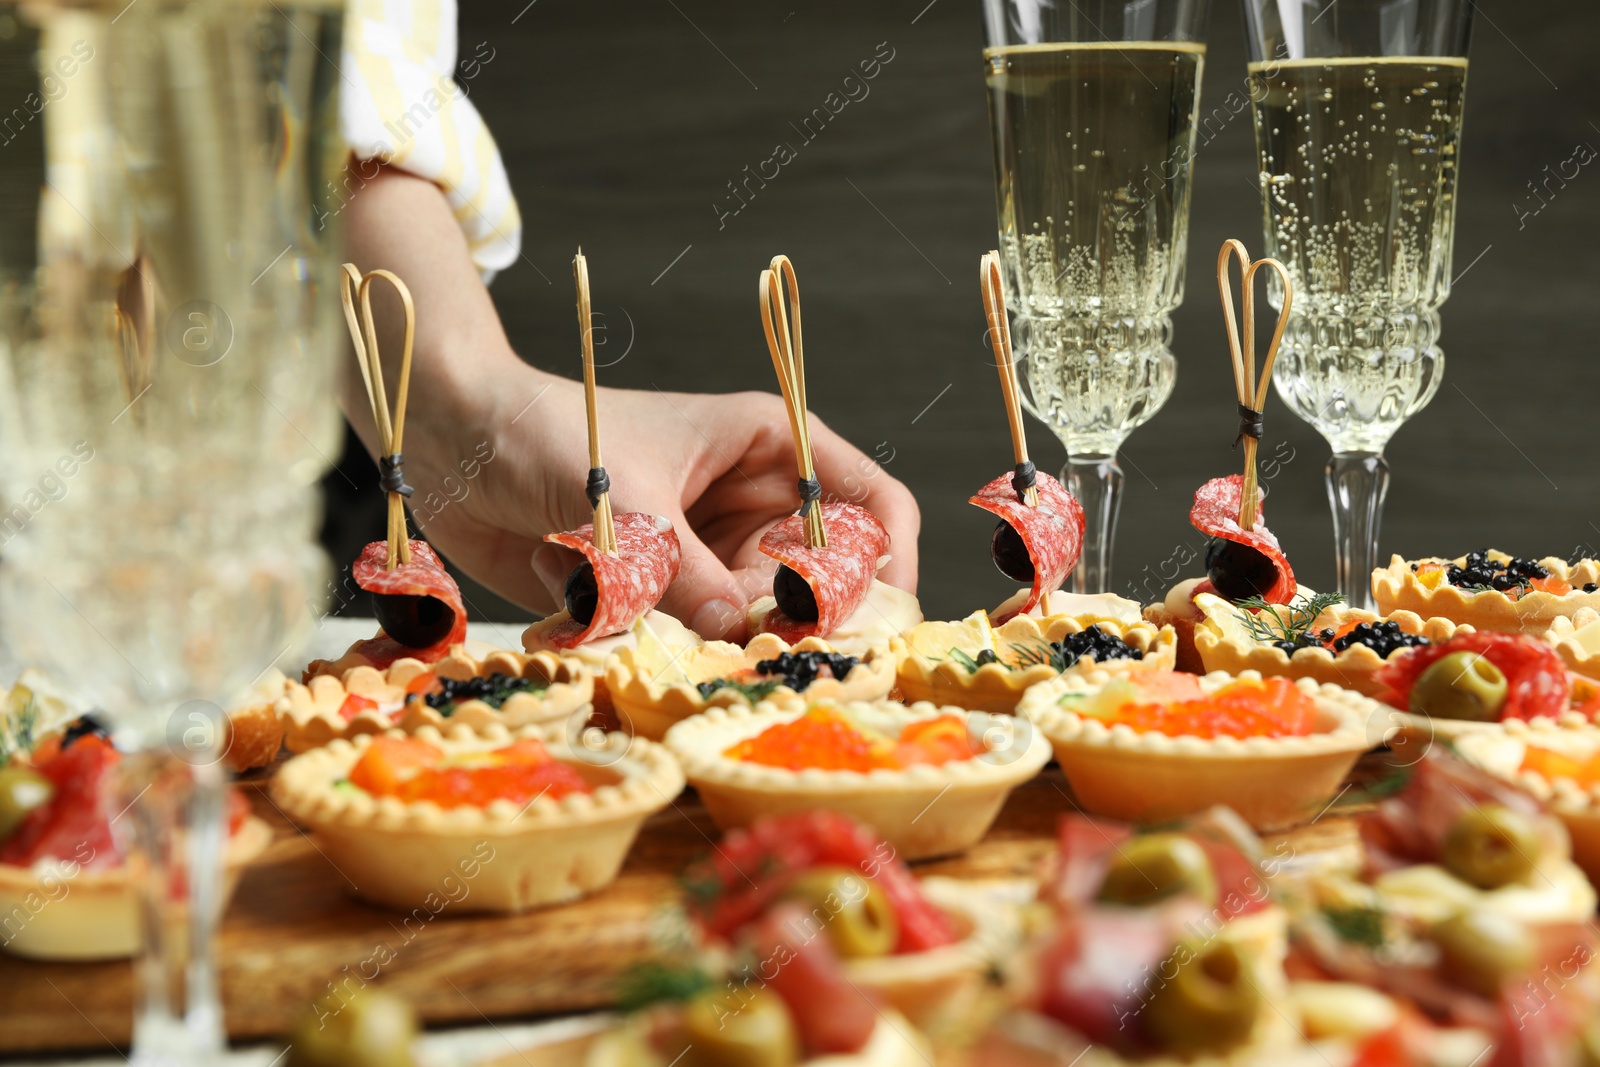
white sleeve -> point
(402, 104)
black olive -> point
(1237, 570)
(414, 621)
(794, 595)
(1010, 553)
(582, 593)
(83, 726)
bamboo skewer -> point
(788, 359)
(599, 485)
(356, 288)
(994, 310)
(1250, 390)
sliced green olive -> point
(1491, 846)
(1210, 1004)
(21, 791)
(1482, 950)
(1157, 866)
(850, 908)
(357, 1028)
(747, 1028)
(1462, 685)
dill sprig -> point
(17, 731)
(1284, 622)
(1359, 925)
(653, 982)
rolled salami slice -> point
(1216, 513)
(423, 576)
(839, 575)
(1052, 531)
(630, 583)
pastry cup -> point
(58, 911)
(650, 696)
(1398, 588)
(1272, 782)
(1577, 639)
(1225, 643)
(593, 655)
(546, 851)
(922, 811)
(931, 988)
(254, 729)
(996, 688)
(310, 712)
(1575, 804)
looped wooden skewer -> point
(1251, 390)
(599, 485)
(356, 288)
(994, 310)
(788, 359)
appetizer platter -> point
(1248, 824)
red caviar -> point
(416, 770)
(1274, 707)
(824, 739)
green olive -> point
(1209, 1005)
(743, 1028)
(362, 1027)
(1491, 846)
(1462, 685)
(21, 791)
(851, 908)
(1157, 866)
(1481, 950)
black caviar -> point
(494, 691)
(1097, 644)
(797, 670)
(1592, 587)
(84, 726)
(1384, 637)
(1481, 572)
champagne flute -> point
(1093, 105)
(168, 324)
(1357, 108)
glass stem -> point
(1357, 484)
(175, 841)
(1096, 480)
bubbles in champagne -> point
(1358, 171)
(1092, 149)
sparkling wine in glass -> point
(168, 323)
(1092, 108)
(1357, 107)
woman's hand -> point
(720, 467)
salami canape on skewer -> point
(629, 560)
(1244, 562)
(828, 554)
(1040, 632)
(417, 603)
(1040, 533)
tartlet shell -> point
(1355, 668)
(649, 710)
(98, 917)
(1579, 659)
(922, 811)
(1396, 588)
(310, 711)
(1576, 805)
(546, 852)
(996, 688)
(1273, 783)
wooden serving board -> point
(292, 929)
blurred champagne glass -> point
(1092, 105)
(168, 322)
(1357, 109)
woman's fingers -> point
(847, 473)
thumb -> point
(706, 597)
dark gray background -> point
(622, 124)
